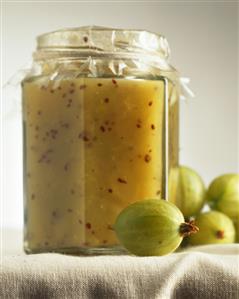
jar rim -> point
(103, 39)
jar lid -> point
(103, 39)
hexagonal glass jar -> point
(100, 118)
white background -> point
(203, 37)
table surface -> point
(200, 272)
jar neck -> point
(73, 55)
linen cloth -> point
(200, 272)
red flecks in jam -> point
(53, 133)
(99, 84)
(54, 214)
(110, 227)
(114, 82)
(102, 128)
(122, 181)
(88, 225)
(110, 190)
(106, 100)
(45, 156)
(153, 127)
(85, 39)
(150, 103)
(139, 123)
(69, 103)
(147, 158)
(83, 86)
(83, 136)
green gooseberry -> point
(152, 227)
(186, 190)
(214, 228)
(223, 195)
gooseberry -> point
(214, 228)
(223, 195)
(152, 227)
(186, 190)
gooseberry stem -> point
(188, 228)
(220, 234)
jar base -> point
(80, 251)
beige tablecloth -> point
(203, 272)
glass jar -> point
(100, 115)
